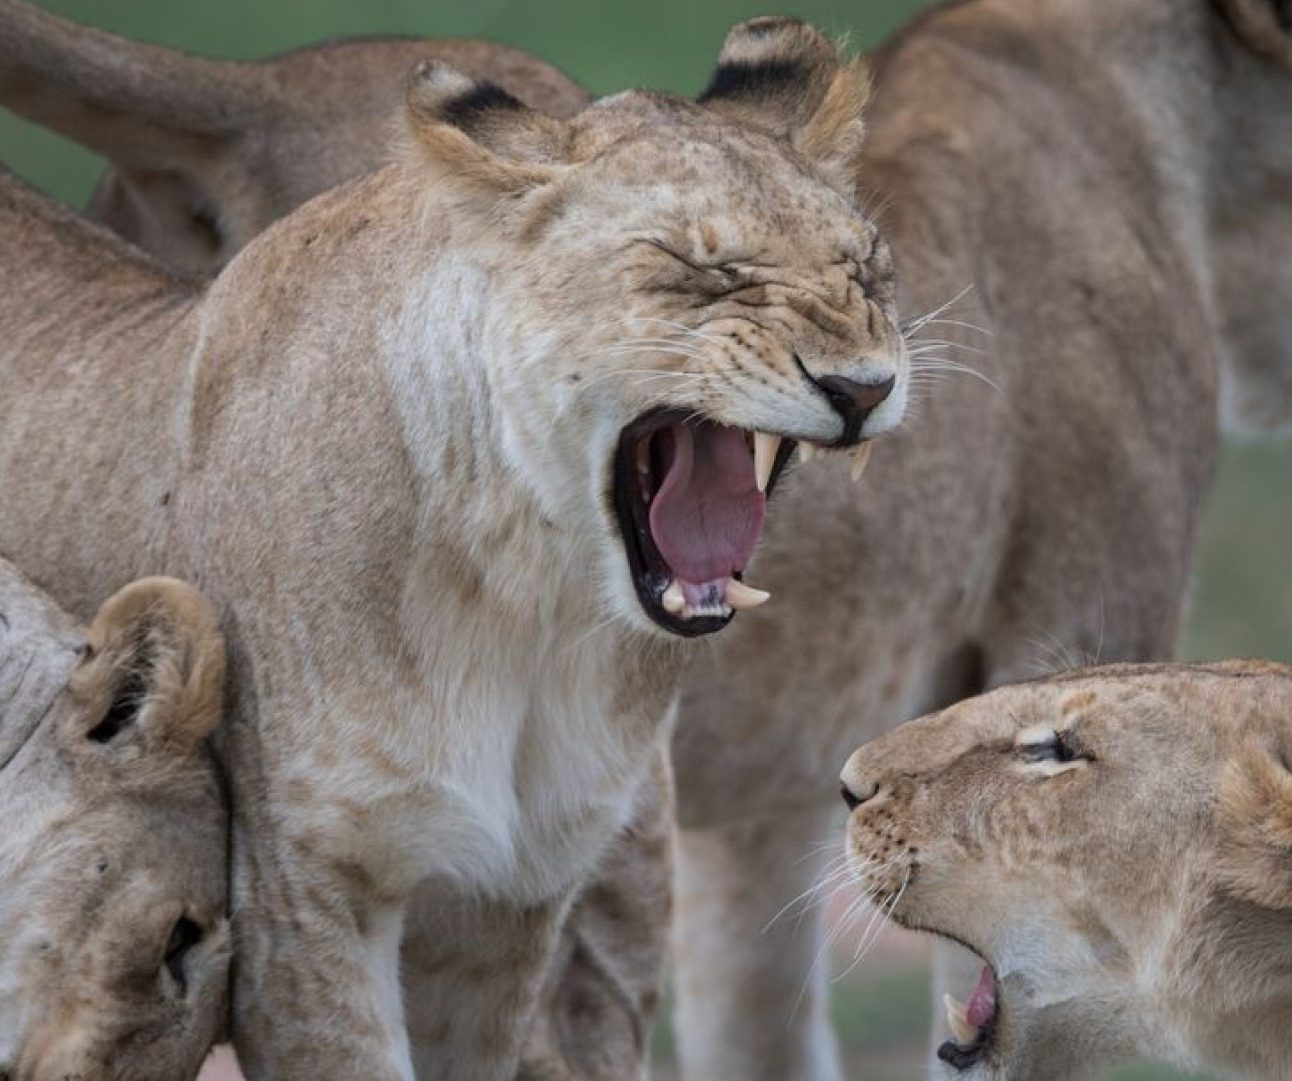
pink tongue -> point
(981, 1007)
(708, 513)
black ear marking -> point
(467, 109)
(761, 78)
(771, 24)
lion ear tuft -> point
(783, 75)
(478, 137)
(1255, 821)
(152, 676)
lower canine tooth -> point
(673, 599)
(807, 452)
(741, 596)
(765, 448)
(958, 1021)
(860, 457)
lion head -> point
(1116, 845)
(689, 290)
(115, 949)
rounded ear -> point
(152, 676)
(781, 74)
(1265, 25)
(1255, 823)
(477, 140)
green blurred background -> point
(1242, 598)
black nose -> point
(854, 401)
(855, 799)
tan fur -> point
(1111, 267)
(1112, 184)
(273, 160)
(821, 108)
(596, 1016)
(423, 726)
(241, 145)
(1134, 901)
(113, 861)
(207, 153)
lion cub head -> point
(114, 948)
(689, 289)
(1116, 845)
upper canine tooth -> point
(958, 1021)
(860, 457)
(741, 596)
(765, 448)
(673, 600)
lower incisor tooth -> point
(741, 596)
(860, 457)
(958, 1021)
(673, 600)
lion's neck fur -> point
(1229, 989)
(512, 632)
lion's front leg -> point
(316, 988)
(475, 970)
(599, 999)
(752, 991)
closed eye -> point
(1049, 748)
(724, 274)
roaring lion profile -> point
(115, 948)
(463, 451)
(1113, 844)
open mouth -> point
(973, 1024)
(690, 496)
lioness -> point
(1114, 844)
(206, 153)
(458, 526)
(114, 946)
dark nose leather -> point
(855, 799)
(854, 401)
